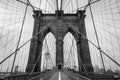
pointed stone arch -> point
(70, 51)
(48, 47)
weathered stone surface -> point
(59, 27)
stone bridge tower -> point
(59, 24)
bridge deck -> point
(59, 76)
(64, 75)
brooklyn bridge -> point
(59, 39)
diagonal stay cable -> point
(67, 5)
(54, 3)
(34, 67)
(96, 35)
(76, 74)
(82, 64)
(70, 50)
(50, 4)
(89, 1)
(73, 27)
(48, 51)
(26, 42)
(33, 7)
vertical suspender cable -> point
(77, 4)
(105, 32)
(96, 35)
(19, 40)
(40, 3)
(71, 5)
(54, 2)
(57, 4)
(111, 11)
(61, 4)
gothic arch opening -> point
(48, 59)
(70, 52)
